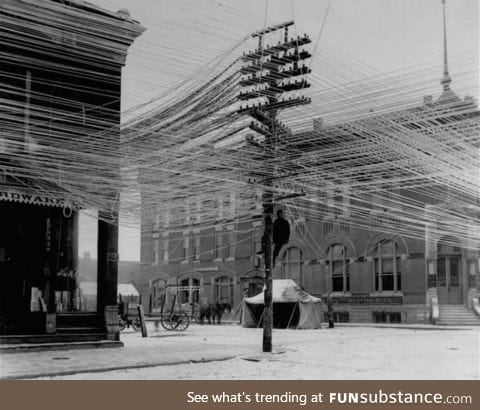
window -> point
(198, 211)
(185, 246)
(218, 242)
(223, 290)
(341, 317)
(166, 220)
(386, 196)
(196, 246)
(327, 227)
(337, 202)
(156, 222)
(292, 265)
(165, 248)
(339, 268)
(256, 239)
(387, 317)
(387, 267)
(252, 286)
(155, 249)
(300, 226)
(189, 291)
(220, 208)
(344, 226)
(230, 242)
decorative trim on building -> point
(340, 239)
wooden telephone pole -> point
(268, 73)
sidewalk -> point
(159, 348)
(359, 350)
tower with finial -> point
(448, 96)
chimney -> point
(428, 100)
(124, 14)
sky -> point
(383, 36)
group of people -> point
(212, 312)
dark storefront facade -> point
(60, 86)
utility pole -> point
(268, 73)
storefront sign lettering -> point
(16, 196)
(368, 300)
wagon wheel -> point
(121, 324)
(182, 321)
(168, 322)
(136, 324)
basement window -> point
(341, 317)
(387, 317)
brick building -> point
(358, 245)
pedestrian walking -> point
(205, 312)
(330, 312)
(219, 308)
(213, 312)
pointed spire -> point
(446, 80)
(447, 96)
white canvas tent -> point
(292, 307)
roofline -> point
(84, 5)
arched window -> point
(252, 285)
(292, 265)
(339, 268)
(189, 291)
(223, 290)
(387, 267)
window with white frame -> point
(387, 267)
(339, 268)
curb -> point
(41, 347)
(404, 326)
(113, 368)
